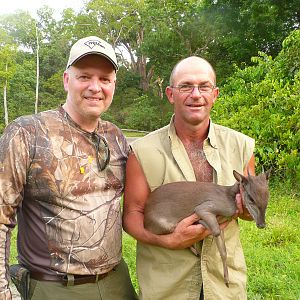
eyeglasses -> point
(100, 144)
(102, 151)
(188, 88)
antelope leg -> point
(209, 220)
(222, 249)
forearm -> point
(6, 295)
(186, 233)
(5, 234)
(133, 224)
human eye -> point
(83, 77)
(105, 80)
(186, 88)
(206, 88)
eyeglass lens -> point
(102, 151)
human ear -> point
(215, 94)
(169, 94)
(66, 80)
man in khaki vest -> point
(190, 148)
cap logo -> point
(92, 43)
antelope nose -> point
(261, 225)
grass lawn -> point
(137, 134)
(272, 254)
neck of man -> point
(86, 124)
(192, 133)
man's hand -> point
(239, 205)
(241, 211)
(187, 233)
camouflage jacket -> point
(68, 212)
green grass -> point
(133, 133)
(129, 250)
(272, 254)
(13, 248)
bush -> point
(143, 114)
(263, 101)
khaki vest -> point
(178, 274)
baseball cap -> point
(92, 45)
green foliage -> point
(8, 55)
(261, 98)
(52, 92)
(21, 27)
(263, 101)
(243, 28)
(143, 115)
(21, 97)
(273, 254)
(129, 251)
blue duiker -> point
(170, 203)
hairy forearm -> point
(5, 233)
(186, 233)
(6, 295)
(133, 224)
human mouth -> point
(93, 99)
(195, 105)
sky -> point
(7, 6)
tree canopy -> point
(253, 46)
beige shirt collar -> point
(181, 156)
(211, 138)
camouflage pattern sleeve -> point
(14, 161)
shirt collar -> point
(211, 138)
(212, 135)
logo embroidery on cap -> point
(92, 43)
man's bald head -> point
(192, 61)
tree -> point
(122, 22)
(20, 26)
(263, 101)
(22, 87)
(7, 68)
(245, 27)
(24, 29)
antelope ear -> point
(267, 173)
(239, 177)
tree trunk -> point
(37, 71)
(4, 98)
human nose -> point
(95, 85)
(195, 91)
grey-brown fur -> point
(172, 202)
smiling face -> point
(193, 107)
(90, 84)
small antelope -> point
(170, 203)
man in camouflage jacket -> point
(62, 174)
